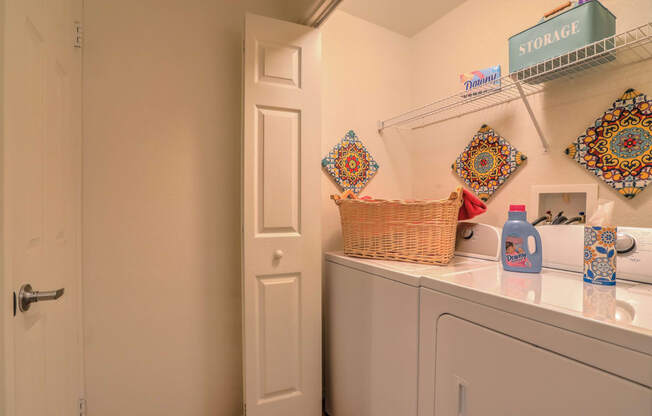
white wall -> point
(366, 75)
(474, 36)
(162, 100)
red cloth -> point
(471, 207)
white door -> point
(281, 219)
(41, 177)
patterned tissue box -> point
(600, 255)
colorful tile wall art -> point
(486, 162)
(350, 163)
(617, 148)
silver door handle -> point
(27, 296)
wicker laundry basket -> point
(412, 231)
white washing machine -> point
(371, 326)
(471, 339)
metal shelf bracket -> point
(542, 138)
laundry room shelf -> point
(610, 53)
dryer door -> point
(483, 372)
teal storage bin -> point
(574, 28)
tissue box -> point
(576, 27)
(600, 255)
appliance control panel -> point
(634, 260)
(563, 248)
(480, 241)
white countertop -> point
(621, 315)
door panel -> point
(482, 372)
(281, 219)
(41, 205)
(278, 162)
(280, 65)
(280, 334)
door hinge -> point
(78, 34)
(82, 407)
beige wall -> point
(161, 171)
(474, 36)
(162, 94)
(366, 76)
(6, 305)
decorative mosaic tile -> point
(350, 163)
(617, 148)
(486, 162)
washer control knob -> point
(467, 234)
(625, 243)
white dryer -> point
(503, 343)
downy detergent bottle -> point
(517, 255)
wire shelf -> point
(609, 53)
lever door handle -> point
(27, 296)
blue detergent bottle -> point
(517, 256)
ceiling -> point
(407, 17)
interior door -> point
(281, 219)
(41, 205)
